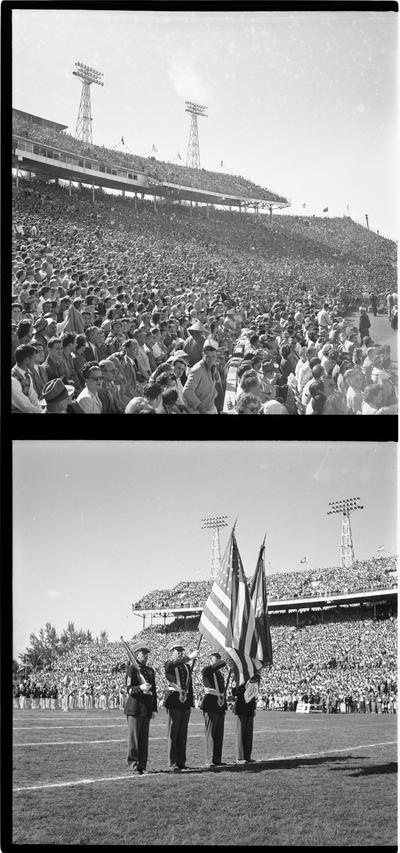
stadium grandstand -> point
(129, 265)
(334, 639)
(44, 148)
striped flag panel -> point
(258, 595)
(227, 620)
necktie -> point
(25, 381)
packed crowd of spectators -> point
(124, 310)
(347, 662)
(158, 170)
(363, 575)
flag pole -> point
(227, 682)
(194, 662)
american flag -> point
(228, 618)
(258, 595)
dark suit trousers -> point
(138, 741)
(178, 721)
(244, 737)
(214, 724)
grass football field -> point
(319, 780)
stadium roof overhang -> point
(209, 197)
(49, 169)
(372, 596)
(45, 122)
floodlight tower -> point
(193, 149)
(345, 507)
(88, 76)
(215, 522)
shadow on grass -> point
(375, 770)
(268, 764)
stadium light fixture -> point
(88, 75)
(193, 149)
(344, 508)
(215, 522)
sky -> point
(98, 524)
(303, 103)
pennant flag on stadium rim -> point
(304, 204)
(222, 162)
(122, 140)
(258, 596)
(154, 148)
(228, 619)
(325, 210)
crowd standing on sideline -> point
(123, 310)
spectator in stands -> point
(57, 395)
(54, 364)
(200, 391)
(38, 373)
(373, 400)
(164, 272)
(247, 404)
(194, 343)
(89, 399)
(24, 398)
(109, 395)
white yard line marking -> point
(263, 760)
(327, 752)
(105, 726)
(86, 742)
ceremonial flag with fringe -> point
(228, 618)
(258, 595)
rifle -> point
(133, 659)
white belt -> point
(221, 696)
(182, 693)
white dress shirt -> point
(90, 403)
(19, 400)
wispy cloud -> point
(186, 80)
(53, 593)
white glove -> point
(145, 687)
(193, 655)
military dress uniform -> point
(245, 713)
(138, 708)
(214, 708)
(178, 701)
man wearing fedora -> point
(214, 708)
(178, 702)
(140, 707)
(57, 396)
